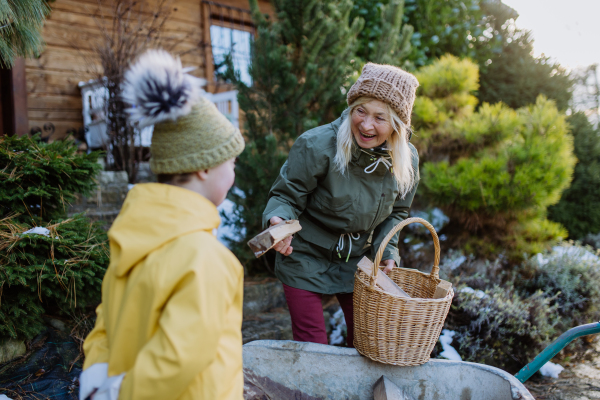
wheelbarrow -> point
(285, 370)
(281, 370)
(563, 340)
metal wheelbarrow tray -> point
(284, 370)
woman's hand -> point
(388, 264)
(284, 247)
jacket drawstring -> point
(376, 161)
(340, 245)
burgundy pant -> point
(308, 324)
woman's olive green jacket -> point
(328, 204)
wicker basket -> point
(398, 330)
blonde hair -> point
(397, 142)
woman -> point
(349, 183)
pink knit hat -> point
(389, 84)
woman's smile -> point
(366, 136)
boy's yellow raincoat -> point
(171, 311)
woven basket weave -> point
(398, 330)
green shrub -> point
(59, 266)
(494, 171)
(499, 327)
(53, 273)
(38, 180)
(520, 309)
(592, 240)
(570, 274)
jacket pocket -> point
(328, 202)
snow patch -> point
(38, 230)
(435, 217)
(227, 231)
(449, 352)
(479, 293)
(454, 264)
(417, 246)
(567, 251)
(552, 370)
(338, 321)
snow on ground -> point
(479, 293)
(550, 369)
(455, 263)
(38, 230)
(567, 251)
(417, 246)
(338, 322)
(435, 217)
(449, 352)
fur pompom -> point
(159, 89)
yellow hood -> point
(154, 214)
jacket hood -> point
(152, 215)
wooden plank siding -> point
(72, 35)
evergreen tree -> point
(20, 29)
(482, 30)
(494, 171)
(445, 27)
(384, 38)
(579, 207)
(300, 62)
(48, 263)
(515, 77)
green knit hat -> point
(190, 134)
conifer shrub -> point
(500, 327)
(48, 274)
(39, 180)
(493, 171)
(48, 263)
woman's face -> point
(370, 124)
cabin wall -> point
(72, 34)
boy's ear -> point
(202, 175)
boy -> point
(169, 326)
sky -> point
(566, 31)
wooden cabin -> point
(44, 94)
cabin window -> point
(228, 40)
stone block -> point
(113, 197)
(275, 325)
(262, 296)
(11, 349)
(106, 178)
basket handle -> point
(435, 271)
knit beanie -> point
(389, 84)
(190, 134)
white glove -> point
(110, 388)
(91, 379)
